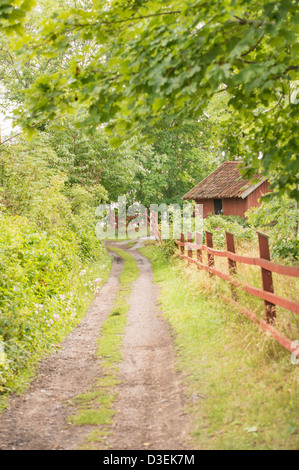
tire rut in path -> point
(150, 406)
(37, 420)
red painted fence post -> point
(198, 241)
(146, 222)
(232, 265)
(209, 241)
(152, 223)
(111, 218)
(189, 239)
(182, 246)
(267, 276)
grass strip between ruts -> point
(95, 406)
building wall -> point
(208, 206)
(236, 205)
(252, 199)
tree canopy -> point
(128, 63)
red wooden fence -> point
(154, 225)
(267, 267)
(152, 222)
(130, 218)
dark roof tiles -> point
(224, 182)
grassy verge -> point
(70, 308)
(242, 387)
(96, 407)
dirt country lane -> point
(150, 405)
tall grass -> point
(242, 386)
(284, 286)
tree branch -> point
(243, 21)
(253, 47)
(278, 103)
(11, 137)
(135, 18)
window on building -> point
(218, 206)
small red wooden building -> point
(225, 192)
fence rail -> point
(150, 220)
(267, 267)
(130, 218)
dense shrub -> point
(48, 251)
(279, 218)
(219, 224)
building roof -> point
(224, 182)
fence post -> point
(232, 265)
(111, 218)
(189, 239)
(198, 241)
(266, 276)
(146, 222)
(182, 246)
(209, 239)
(152, 223)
